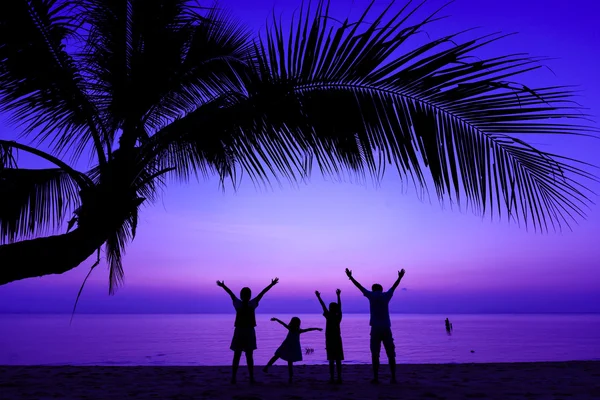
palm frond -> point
(7, 156)
(188, 150)
(116, 244)
(40, 85)
(215, 54)
(151, 61)
(106, 58)
(225, 137)
(114, 249)
(346, 97)
(34, 202)
(8, 159)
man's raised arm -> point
(265, 290)
(358, 285)
(395, 285)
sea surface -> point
(201, 339)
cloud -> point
(404, 289)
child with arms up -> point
(333, 335)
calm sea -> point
(204, 339)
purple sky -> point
(455, 261)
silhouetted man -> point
(381, 330)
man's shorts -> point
(379, 335)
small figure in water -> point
(244, 336)
(448, 326)
(290, 350)
(333, 335)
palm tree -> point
(159, 89)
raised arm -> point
(310, 329)
(321, 301)
(358, 285)
(265, 290)
(339, 298)
(395, 285)
(281, 322)
(229, 292)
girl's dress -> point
(333, 336)
(290, 349)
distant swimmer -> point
(448, 326)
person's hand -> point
(273, 319)
(349, 273)
(338, 291)
(317, 293)
(274, 281)
(221, 283)
(401, 273)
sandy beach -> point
(560, 380)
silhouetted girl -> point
(333, 335)
(290, 350)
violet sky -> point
(455, 261)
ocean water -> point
(204, 339)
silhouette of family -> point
(244, 335)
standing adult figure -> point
(244, 336)
(381, 326)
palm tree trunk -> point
(48, 255)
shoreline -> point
(537, 380)
(280, 364)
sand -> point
(565, 380)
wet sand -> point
(562, 380)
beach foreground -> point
(557, 380)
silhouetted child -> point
(244, 336)
(290, 350)
(333, 335)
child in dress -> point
(290, 350)
(333, 335)
(244, 336)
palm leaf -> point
(34, 202)
(187, 151)
(216, 52)
(116, 244)
(7, 156)
(39, 82)
(153, 60)
(347, 98)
